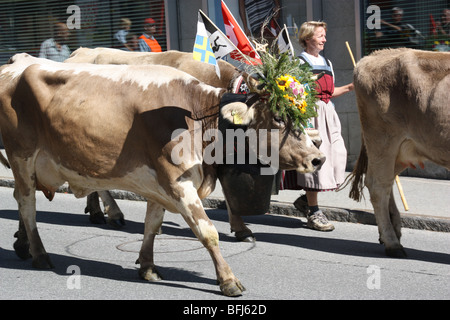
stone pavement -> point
(428, 201)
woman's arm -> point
(339, 91)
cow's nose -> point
(318, 162)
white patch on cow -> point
(309, 142)
(208, 232)
(142, 75)
(21, 61)
(190, 185)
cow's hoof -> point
(150, 274)
(116, 223)
(232, 289)
(42, 262)
(245, 236)
(396, 252)
(22, 249)
(97, 217)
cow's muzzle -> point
(318, 162)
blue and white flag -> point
(210, 43)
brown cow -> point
(230, 79)
(102, 127)
(403, 102)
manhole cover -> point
(163, 244)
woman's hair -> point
(307, 30)
(125, 22)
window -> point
(25, 24)
(419, 24)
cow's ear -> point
(237, 113)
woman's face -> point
(317, 42)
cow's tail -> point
(4, 161)
(357, 175)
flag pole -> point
(289, 39)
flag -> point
(210, 43)
(238, 37)
(284, 42)
(220, 44)
(202, 49)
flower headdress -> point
(290, 85)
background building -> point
(24, 24)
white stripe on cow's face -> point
(309, 142)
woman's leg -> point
(316, 219)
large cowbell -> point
(246, 190)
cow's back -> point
(183, 61)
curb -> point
(411, 221)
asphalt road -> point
(288, 261)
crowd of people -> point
(56, 48)
(396, 33)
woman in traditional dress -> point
(312, 37)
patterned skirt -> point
(332, 173)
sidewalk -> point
(428, 201)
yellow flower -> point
(302, 106)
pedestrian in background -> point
(147, 41)
(120, 37)
(56, 48)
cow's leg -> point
(96, 215)
(25, 195)
(198, 221)
(22, 245)
(379, 181)
(115, 215)
(153, 221)
(394, 214)
(239, 228)
(393, 209)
